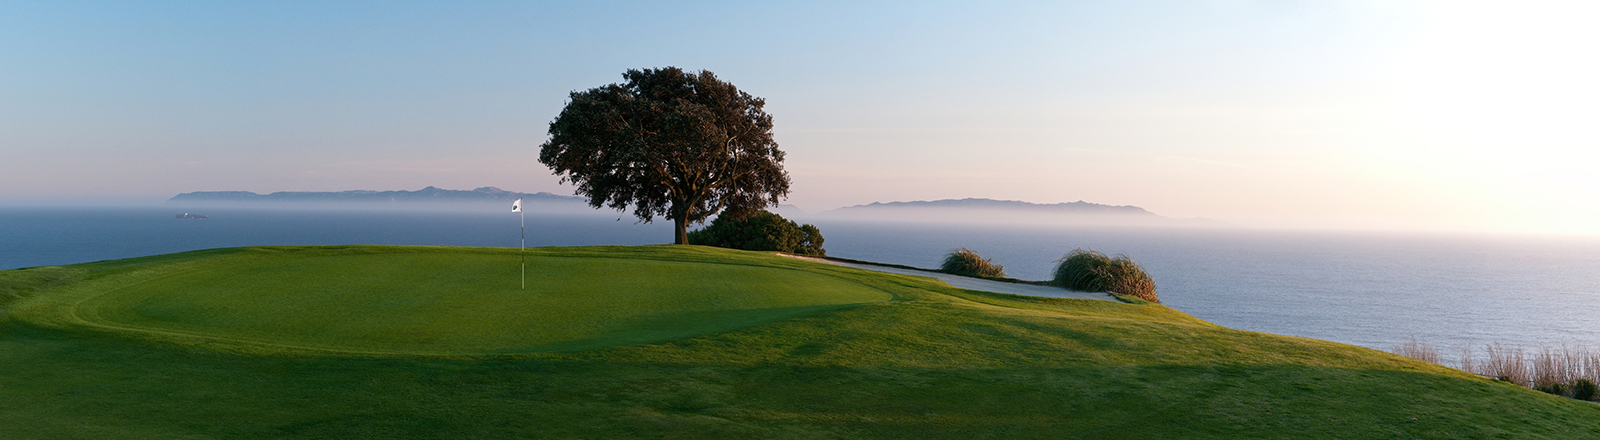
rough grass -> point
(1091, 271)
(933, 362)
(965, 262)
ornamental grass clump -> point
(1551, 374)
(1506, 363)
(1419, 350)
(1564, 371)
(965, 262)
(1089, 270)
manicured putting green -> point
(465, 302)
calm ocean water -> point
(1369, 289)
(1375, 290)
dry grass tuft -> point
(965, 262)
(1089, 270)
(1418, 350)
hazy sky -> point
(1448, 115)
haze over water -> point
(1370, 289)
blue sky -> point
(1433, 115)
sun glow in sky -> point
(1430, 115)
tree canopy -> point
(668, 143)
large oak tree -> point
(669, 143)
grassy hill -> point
(673, 342)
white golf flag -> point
(516, 206)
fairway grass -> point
(674, 342)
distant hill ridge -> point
(975, 210)
(429, 194)
(1078, 207)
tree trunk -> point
(682, 226)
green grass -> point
(869, 355)
(452, 301)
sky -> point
(1450, 115)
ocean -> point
(1370, 289)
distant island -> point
(426, 195)
(969, 210)
(1011, 211)
(1078, 207)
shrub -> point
(760, 231)
(1092, 271)
(1585, 389)
(965, 262)
(1556, 388)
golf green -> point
(415, 300)
(688, 342)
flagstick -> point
(522, 251)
